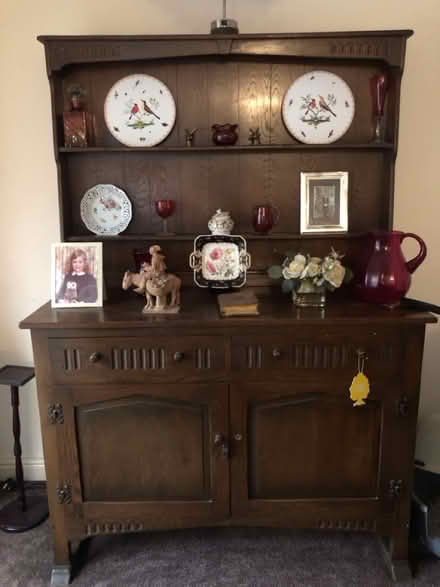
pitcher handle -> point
(419, 258)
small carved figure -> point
(254, 136)
(157, 260)
(189, 136)
(161, 289)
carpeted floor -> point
(211, 557)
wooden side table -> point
(23, 513)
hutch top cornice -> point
(386, 46)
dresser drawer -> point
(96, 360)
(327, 351)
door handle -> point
(222, 442)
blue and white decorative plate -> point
(318, 108)
(105, 210)
(139, 110)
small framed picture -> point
(76, 275)
(324, 202)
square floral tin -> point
(220, 261)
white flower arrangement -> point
(310, 273)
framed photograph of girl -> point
(76, 275)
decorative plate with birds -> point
(139, 110)
(318, 107)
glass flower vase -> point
(309, 295)
(379, 88)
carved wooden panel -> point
(97, 527)
(319, 356)
(351, 525)
(144, 448)
(131, 359)
(138, 358)
(307, 446)
(254, 355)
(278, 355)
(72, 359)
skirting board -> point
(33, 469)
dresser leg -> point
(397, 563)
(60, 575)
(62, 569)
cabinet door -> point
(139, 457)
(309, 458)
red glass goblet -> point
(164, 209)
(265, 217)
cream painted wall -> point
(28, 211)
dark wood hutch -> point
(194, 420)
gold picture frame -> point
(324, 202)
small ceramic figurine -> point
(254, 136)
(161, 289)
(189, 136)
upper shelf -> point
(273, 236)
(372, 146)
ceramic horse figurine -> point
(162, 289)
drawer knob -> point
(238, 436)
(178, 356)
(95, 357)
(276, 354)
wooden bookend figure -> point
(254, 136)
(161, 289)
(189, 136)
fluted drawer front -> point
(135, 359)
(329, 352)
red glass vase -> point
(379, 88)
(384, 276)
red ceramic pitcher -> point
(385, 275)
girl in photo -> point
(79, 285)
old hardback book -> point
(238, 303)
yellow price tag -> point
(359, 389)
